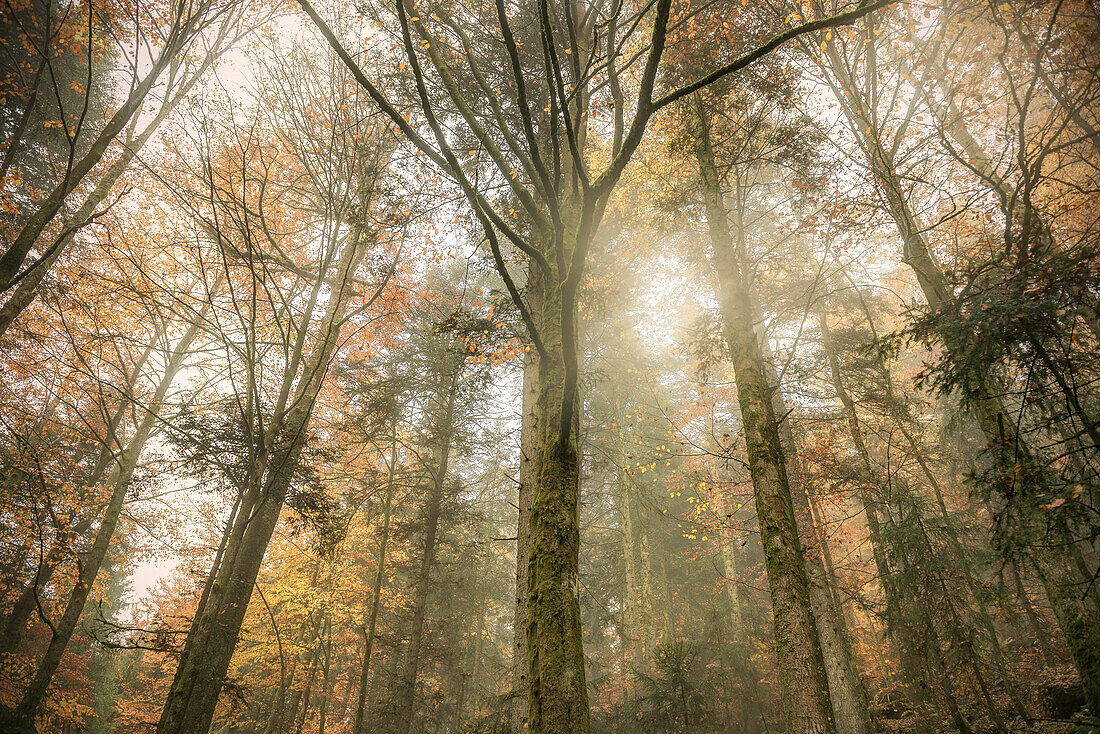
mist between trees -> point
(554, 366)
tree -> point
(563, 202)
(85, 141)
(1014, 459)
(269, 423)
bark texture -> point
(528, 476)
(558, 696)
(807, 705)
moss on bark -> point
(558, 696)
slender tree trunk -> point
(15, 570)
(751, 698)
(469, 673)
(961, 556)
(24, 294)
(1037, 630)
(851, 709)
(658, 615)
(310, 677)
(27, 600)
(376, 591)
(119, 481)
(322, 708)
(802, 674)
(633, 619)
(307, 632)
(345, 701)
(729, 569)
(962, 561)
(326, 679)
(938, 669)
(444, 431)
(905, 642)
(278, 704)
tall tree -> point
(343, 206)
(563, 198)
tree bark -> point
(851, 710)
(558, 695)
(634, 619)
(807, 705)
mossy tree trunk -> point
(807, 705)
(528, 476)
(558, 696)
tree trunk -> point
(444, 431)
(633, 619)
(24, 294)
(213, 636)
(1037, 630)
(851, 710)
(307, 632)
(301, 719)
(27, 600)
(469, 674)
(751, 705)
(16, 254)
(119, 481)
(729, 569)
(558, 695)
(376, 592)
(326, 678)
(807, 705)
